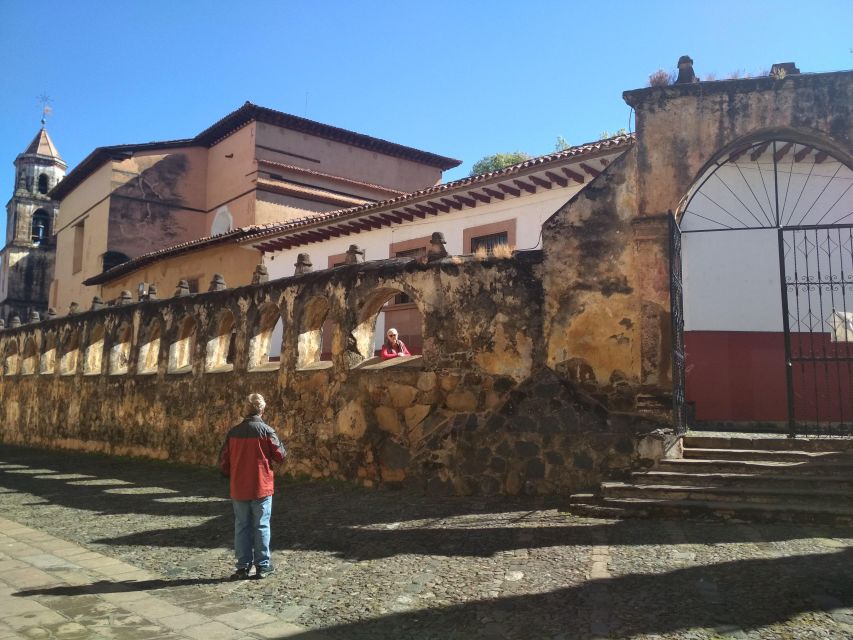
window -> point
(193, 284)
(489, 242)
(485, 238)
(79, 231)
(43, 185)
(40, 227)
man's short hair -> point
(256, 404)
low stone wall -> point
(479, 412)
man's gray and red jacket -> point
(246, 458)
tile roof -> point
(42, 145)
(273, 228)
(256, 233)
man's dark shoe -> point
(263, 572)
(240, 574)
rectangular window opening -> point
(79, 231)
(489, 242)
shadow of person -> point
(108, 586)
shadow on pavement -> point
(107, 586)
(733, 595)
(353, 523)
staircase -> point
(737, 478)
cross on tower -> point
(45, 107)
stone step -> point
(760, 467)
(745, 480)
(768, 443)
(829, 498)
(598, 507)
(696, 453)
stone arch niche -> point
(11, 358)
(766, 238)
(47, 362)
(93, 361)
(223, 221)
(40, 228)
(70, 353)
(369, 333)
(182, 348)
(30, 357)
(267, 317)
(221, 344)
(148, 358)
(120, 350)
(315, 331)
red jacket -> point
(389, 352)
(246, 458)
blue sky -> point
(462, 79)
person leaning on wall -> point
(393, 347)
(246, 459)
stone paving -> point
(100, 547)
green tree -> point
(562, 144)
(498, 161)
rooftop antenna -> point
(45, 107)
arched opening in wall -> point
(40, 228)
(148, 358)
(260, 344)
(221, 344)
(276, 339)
(223, 222)
(370, 334)
(69, 355)
(11, 359)
(93, 361)
(43, 185)
(406, 318)
(314, 343)
(120, 351)
(47, 362)
(29, 361)
(764, 246)
(181, 350)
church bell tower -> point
(27, 258)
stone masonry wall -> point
(479, 412)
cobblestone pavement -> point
(356, 563)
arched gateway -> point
(762, 290)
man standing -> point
(246, 458)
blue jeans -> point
(252, 532)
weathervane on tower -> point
(45, 107)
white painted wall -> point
(529, 212)
(731, 281)
(731, 278)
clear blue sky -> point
(463, 79)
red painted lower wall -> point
(740, 377)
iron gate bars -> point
(817, 300)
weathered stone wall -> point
(607, 324)
(477, 413)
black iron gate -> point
(804, 196)
(817, 307)
(676, 298)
